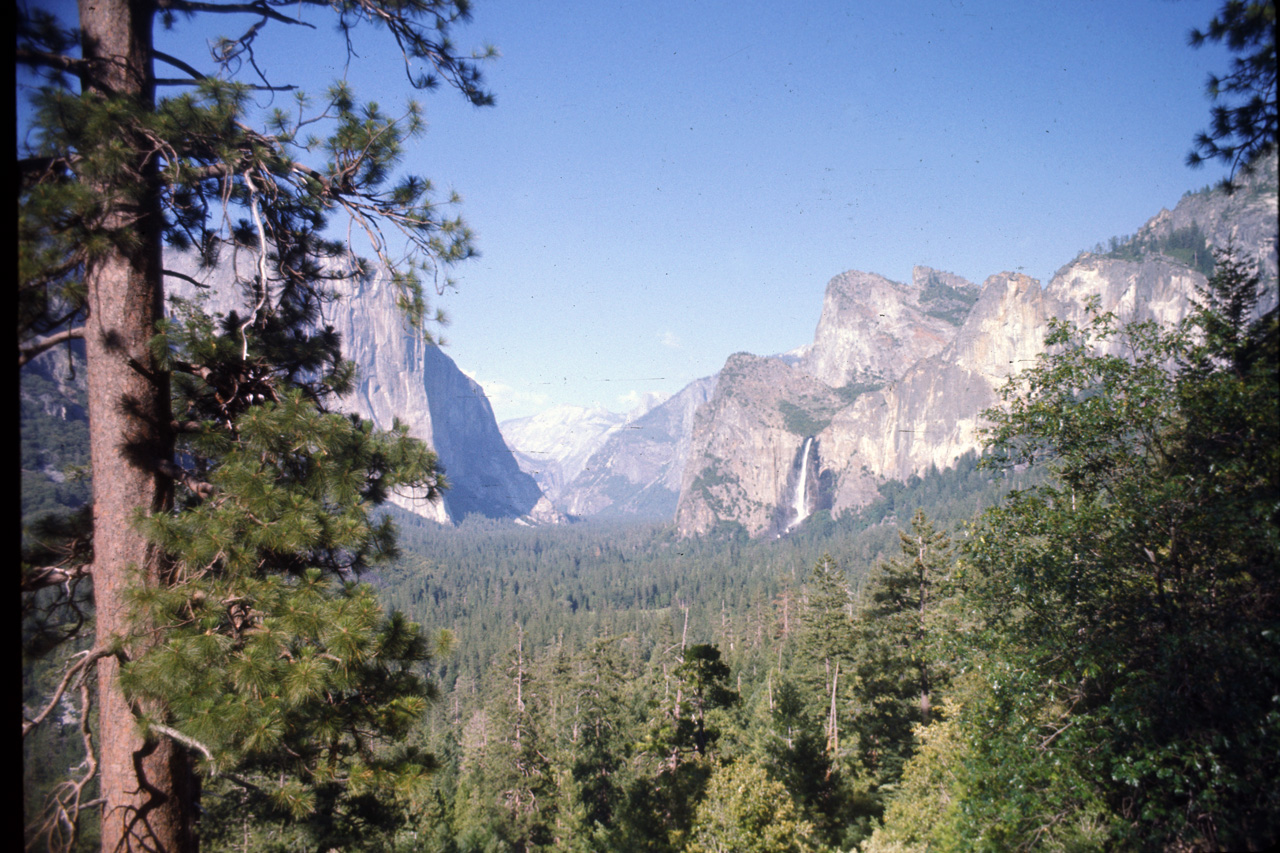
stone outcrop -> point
(872, 328)
(637, 470)
(401, 376)
(898, 377)
(1246, 218)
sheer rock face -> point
(931, 416)
(402, 376)
(871, 328)
(637, 469)
(744, 444)
(912, 375)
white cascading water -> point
(800, 503)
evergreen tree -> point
(821, 762)
(678, 753)
(1244, 131)
(507, 796)
(1128, 608)
(825, 649)
(113, 176)
(600, 737)
(901, 658)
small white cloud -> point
(630, 400)
(670, 339)
(636, 403)
(509, 402)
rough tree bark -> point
(145, 787)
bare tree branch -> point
(61, 823)
(260, 8)
(185, 740)
(26, 352)
(76, 671)
(45, 576)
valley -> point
(627, 612)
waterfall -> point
(800, 503)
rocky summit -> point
(897, 376)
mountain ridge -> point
(914, 392)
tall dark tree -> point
(825, 648)
(902, 658)
(112, 176)
(1243, 121)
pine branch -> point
(46, 59)
(26, 352)
(259, 8)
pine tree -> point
(826, 648)
(114, 176)
(678, 752)
(901, 658)
(506, 795)
(1246, 130)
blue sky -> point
(663, 184)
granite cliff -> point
(402, 376)
(870, 327)
(595, 463)
(897, 375)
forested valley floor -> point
(598, 674)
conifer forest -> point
(232, 640)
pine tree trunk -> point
(146, 788)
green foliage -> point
(1126, 607)
(926, 800)
(747, 812)
(276, 667)
(605, 610)
(1243, 125)
(801, 421)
